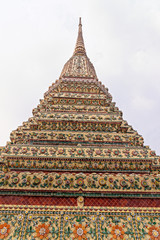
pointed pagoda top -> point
(80, 48)
(79, 64)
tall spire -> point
(79, 64)
(80, 48)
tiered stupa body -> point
(76, 169)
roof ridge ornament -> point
(80, 48)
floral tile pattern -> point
(73, 223)
(92, 182)
(11, 224)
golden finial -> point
(80, 48)
(80, 21)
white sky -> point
(122, 39)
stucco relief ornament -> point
(42, 231)
(117, 233)
(4, 230)
(80, 232)
(80, 201)
(154, 233)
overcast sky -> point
(122, 39)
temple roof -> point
(79, 64)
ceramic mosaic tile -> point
(65, 223)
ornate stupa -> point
(76, 169)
